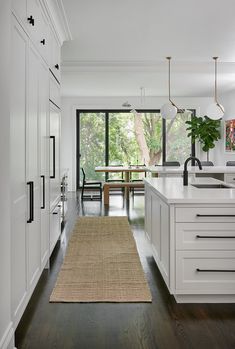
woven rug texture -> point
(101, 264)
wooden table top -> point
(121, 169)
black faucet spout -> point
(185, 173)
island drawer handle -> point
(215, 215)
(216, 270)
(214, 237)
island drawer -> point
(205, 214)
(205, 236)
(205, 272)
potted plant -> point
(205, 130)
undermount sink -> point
(212, 186)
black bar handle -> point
(29, 220)
(214, 237)
(216, 270)
(31, 20)
(53, 160)
(57, 66)
(215, 215)
(43, 42)
(43, 192)
(31, 202)
(55, 212)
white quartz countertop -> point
(192, 169)
(172, 190)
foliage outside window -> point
(135, 139)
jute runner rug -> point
(101, 264)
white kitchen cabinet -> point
(55, 57)
(55, 226)
(148, 209)
(157, 230)
(54, 91)
(205, 272)
(34, 156)
(44, 161)
(30, 192)
(19, 197)
(55, 190)
(32, 166)
(193, 243)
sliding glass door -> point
(178, 145)
(123, 138)
(91, 144)
(135, 138)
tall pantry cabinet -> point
(34, 157)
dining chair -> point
(135, 190)
(206, 163)
(90, 185)
(119, 180)
(230, 163)
(171, 163)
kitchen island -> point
(224, 173)
(192, 235)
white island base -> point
(192, 234)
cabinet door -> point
(32, 166)
(55, 227)
(55, 189)
(148, 212)
(18, 175)
(156, 225)
(55, 57)
(33, 11)
(165, 241)
(44, 161)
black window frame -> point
(107, 112)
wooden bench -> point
(126, 185)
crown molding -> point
(55, 11)
(147, 66)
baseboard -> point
(7, 341)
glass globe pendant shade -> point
(215, 111)
(168, 111)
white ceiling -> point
(120, 45)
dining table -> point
(126, 170)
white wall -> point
(68, 120)
(6, 331)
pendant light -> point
(215, 111)
(169, 110)
(142, 100)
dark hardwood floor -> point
(162, 324)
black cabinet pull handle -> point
(57, 66)
(55, 212)
(31, 202)
(53, 160)
(31, 20)
(215, 215)
(214, 237)
(216, 270)
(43, 192)
(43, 42)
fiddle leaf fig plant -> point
(205, 130)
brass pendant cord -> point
(169, 83)
(216, 101)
